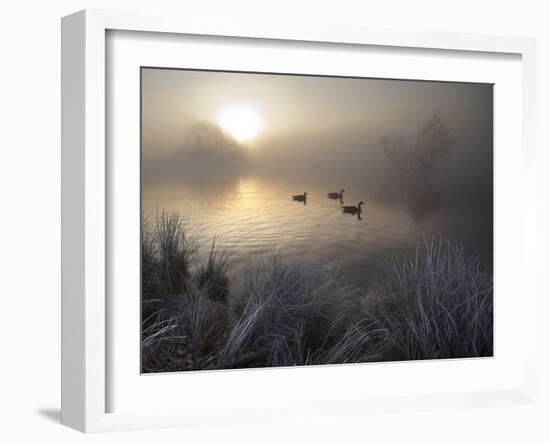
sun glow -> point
(241, 122)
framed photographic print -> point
(292, 222)
(287, 221)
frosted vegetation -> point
(435, 303)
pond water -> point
(256, 216)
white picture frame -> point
(86, 200)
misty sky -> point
(288, 105)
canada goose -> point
(336, 195)
(352, 209)
(300, 197)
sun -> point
(242, 122)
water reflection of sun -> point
(249, 190)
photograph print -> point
(294, 220)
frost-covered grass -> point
(434, 304)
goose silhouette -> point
(354, 210)
(301, 198)
(336, 195)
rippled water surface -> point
(256, 216)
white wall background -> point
(30, 218)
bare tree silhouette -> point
(418, 157)
(415, 161)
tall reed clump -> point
(285, 315)
(298, 314)
(212, 274)
(182, 320)
(167, 249)
(184, 334)
(436, 304)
